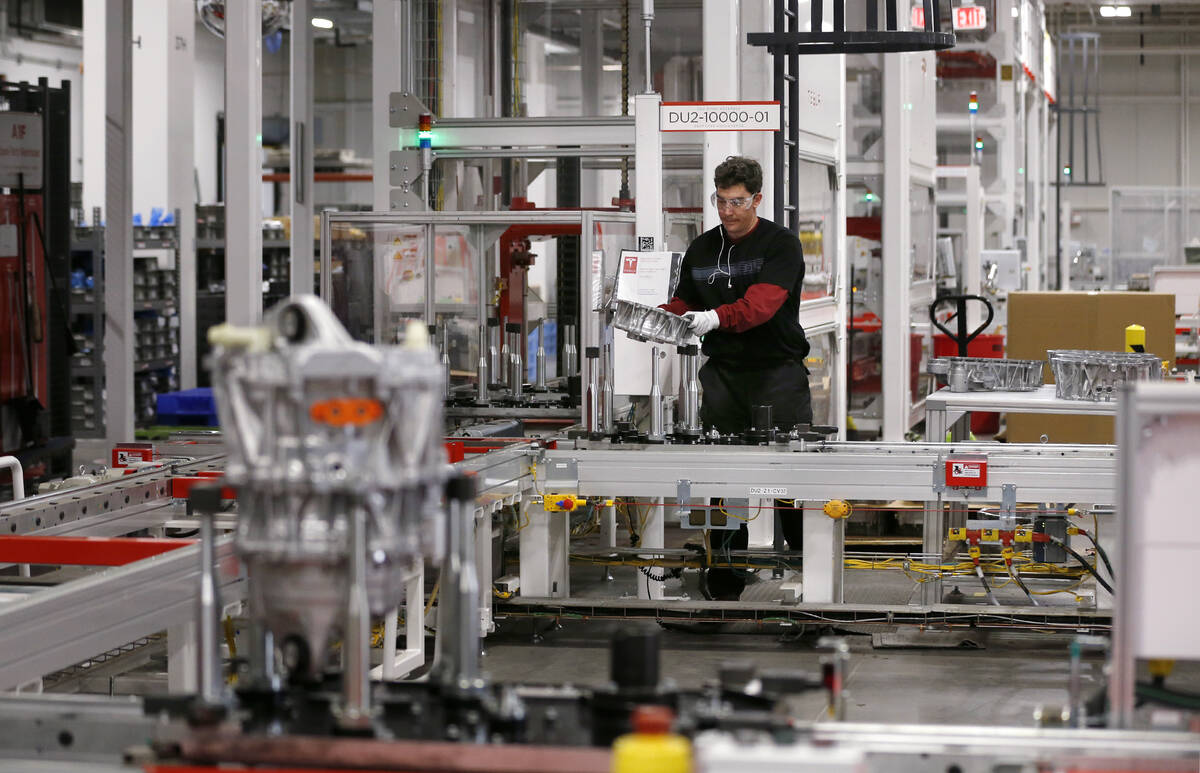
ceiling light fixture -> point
(1111, 11)
(322, 23)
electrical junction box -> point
(966, 471)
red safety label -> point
(966, 471)
(128, 453)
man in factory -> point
(739, 287)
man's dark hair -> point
(739, 169)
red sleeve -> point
(678, 305)
(758, 305)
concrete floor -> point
(1000, 680)
(1001, 684)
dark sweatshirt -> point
(754, 286)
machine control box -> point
(966, 471)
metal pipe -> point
(493, 350)
(13, 464)
(569, 351)
(516, 363)
(482, 373)
(833, 668)
(656, 396)
(444, 345)
(356, 675)
(208, 610)
(607, 397)
(262, 656)
(591, 398)
(458, 614)
(689, 418)
(505, 357)
(648, 22)
(540, 358)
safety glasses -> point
(739, 203)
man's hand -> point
(702, 322)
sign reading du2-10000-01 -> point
(720, 116)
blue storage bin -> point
(188, 407)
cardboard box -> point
(1038, 322)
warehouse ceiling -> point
(1062, 15)
(676, 25)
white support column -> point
(92, 96)
(1064, 266)
(399, 663)
(897, 261)
(1048, 225)
(391, 70)
(1035, 259)
(483, 566)
(181, 658)
(181, 164)
(653, 536)
(972, 262)
(302, 148)
(243, 162)
(757, 82)
(822, 569)
(1006, 102)
(543, 545)
(842, 286)
(118, 212)
(648, 173)
(722, 41)
(591, 56)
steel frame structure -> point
(135, 600)
(855, 471)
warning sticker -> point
(961, 470)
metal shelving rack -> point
(87, 328)
(156, 315)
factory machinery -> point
(328, 490)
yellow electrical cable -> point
(432, 596)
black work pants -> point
(730, 395)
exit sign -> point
(970, 17)
(967, 17)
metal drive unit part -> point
(647, 323)
(1085, 375)
(323, 431)
(985, 374)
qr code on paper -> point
(645, 244)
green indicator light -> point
(1066, 170)
(1020, 170)
(258, 137)
(425, 135)
(869, 197)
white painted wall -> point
(1142, 118)
(209, 91)
(151, 44)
